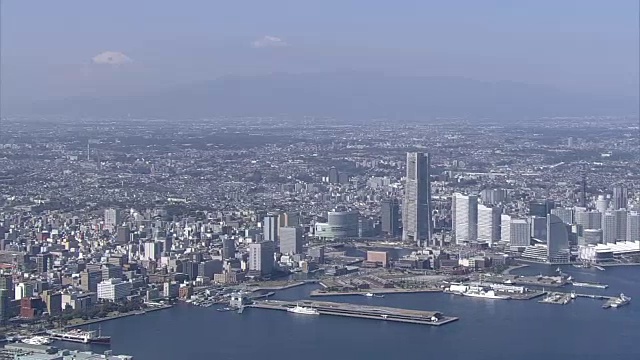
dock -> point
(433, 318)
(376, 291)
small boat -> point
(369, 295)
(37, 340)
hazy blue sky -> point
(50, 47)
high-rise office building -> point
(261, 257)
(541, 207)
(633, 226)
(589, 219)
(111, 219)
(334, 176)
(416, 214)
(565, 214)
(270, 226)
(557, 240)
(465, 218)
(389, 217)
(493, 196)
(538, 227)
(289, 219)
(602, 204)
(489, 223)
(505, 227)
(621, 224)
(228, 247)
(609, 227)
(520, 233)
(5, 308)
(291, 240)
(6, 283)
(620, 197)
(123, 235)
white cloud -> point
(111, 58)
(269, 41)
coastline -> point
(113, 317)
(508, 270)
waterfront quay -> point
(420, 317)
(379, 291)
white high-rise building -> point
(270, 225)
(505, 228)
(291, 240)
(633, 226)
(111, 219)
(489, 224)
(465, 217)
(520, 233)
(114, 289)
(261, 257)
(602, 204)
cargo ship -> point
(79, 336)
(590, 285)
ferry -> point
(590, 285)
(621, 301)
(37, 340)
(303, 310)
(79, 336)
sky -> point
(119, 47)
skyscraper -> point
(620, 197)
(505, 227)
(334, 175)
(416, 214)
(111, 219)
(565, 214)
(633, 226)
(557, 240)
(520, 233)
(389, 217)
(261, 257)
(602, 204)
(270, 227)
(465, 218)
(489, 223)
(621, 224)
(291, 240)
(228, 247)
(609, 227)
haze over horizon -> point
(81, 50)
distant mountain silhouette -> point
(348, 95)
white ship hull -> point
(303, 310)
(485, 296)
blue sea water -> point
(487, 329)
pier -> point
(420, 317)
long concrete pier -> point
(433, 318)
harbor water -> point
(488, 329)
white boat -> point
(369, 295)
(303, 310)
(621, 301)
(37, 340)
